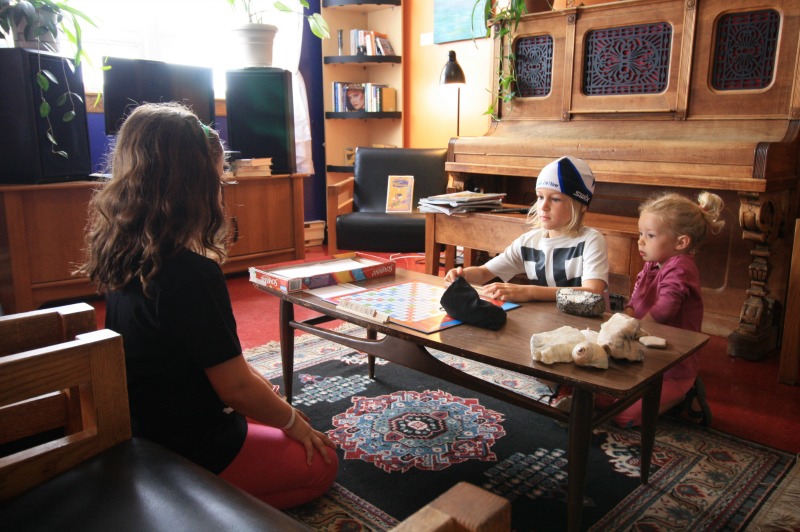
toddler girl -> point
(667, 290)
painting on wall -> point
(455, 20)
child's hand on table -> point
(453, 274)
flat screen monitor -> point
(132, 82)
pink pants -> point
(673, 391)
(272, 467)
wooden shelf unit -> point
(353, 129)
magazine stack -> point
(465, 201)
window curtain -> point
(287, 48)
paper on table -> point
(307, 270)
(336, 290)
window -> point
(189, 32)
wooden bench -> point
(493, 232)
(69, 461)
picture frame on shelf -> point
(349, 156)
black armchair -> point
(357, 218)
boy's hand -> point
(507, 292)
(454, 274)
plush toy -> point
(556, 345)
(590, 354)
(618, 337)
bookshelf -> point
(349, 129)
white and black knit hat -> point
(570, 176)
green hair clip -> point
(206, 130)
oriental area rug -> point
(405, 438)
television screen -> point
(131, 82)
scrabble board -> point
(412, 304)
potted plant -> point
(36, 24)
(255, 38)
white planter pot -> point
(47, 40)
(253, 44)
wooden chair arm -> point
(338, 200)
(94, 363)
(28, 330)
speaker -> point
(261, 116)
(26, 154)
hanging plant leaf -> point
(62, 99)
(64, 154)
(318, 26)
(51, 138)
(68, 116)
(42, 81)
(44, 109)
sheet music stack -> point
(461, 202)
(261, 166)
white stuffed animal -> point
(556, 345)
(618, 337)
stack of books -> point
(260, 167)
(367, 97)
(462, 202)
(370, 42)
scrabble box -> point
(305, 275)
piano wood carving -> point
(685, 95)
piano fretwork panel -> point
(665, 94)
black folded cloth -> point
(462, 302)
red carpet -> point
(746, 398)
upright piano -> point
(685, 95)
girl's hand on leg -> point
(311, 438)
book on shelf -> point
(364, 42)
(400, 193)
(354, 97)
(388, 98)
(384, 46)
(368, 97)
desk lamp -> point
(452, 74)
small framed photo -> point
(349, 156)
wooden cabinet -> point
(42, 227)
(266, 221)
(41, 238)
(357, 128)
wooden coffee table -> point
(507, 348)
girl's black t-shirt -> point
(171, 337)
